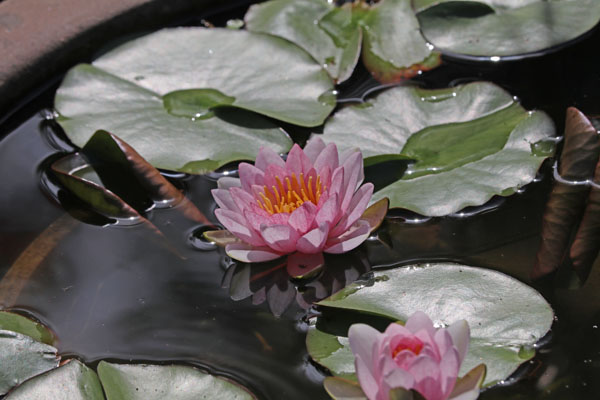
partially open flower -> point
(310, 203)
(416, 357)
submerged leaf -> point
(567, 201)
(498, 28)
(72, 381)
(158, 382)
(506, 317)
(469, 143)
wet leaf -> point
(221, 237)
(150, 382)
(73, 381)
(504, 28)
(80, 179)
(566, 203)
(393, 48)
(343, 389)
(327, 32)
(17, 323)
(470, 143)
(130, 90)
(123, 171)
(21, 358)
(506, 317)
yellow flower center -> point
(289, 195)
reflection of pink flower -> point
(414, 356)
(310, 203)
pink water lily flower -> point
(308, 204)
(415, 356)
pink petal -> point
(302, 218)
(272, 172)
(398, 378)
(420, 321)
(300, 264)
(250, 175)
(460, 333)
(362, 338)
(449, 367)
(279, 219)
(337, 181)
(237, 224)
(353, 167)
(327, 158)
(328, 211)
(228, 182)
(427, 375)
(325, 176)
(224, 199)
(367, 381)
(256, 220)
(347, 155)
(281, 238)
(313, 241)
(430, 389)
(244, 253)
(313, 147)
(243, 200)
(356, 208)
(352, 238)
(267, 156)
(297, 162)
(443, 341)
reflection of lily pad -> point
(506, 317)
(149, 382)
(392, 45)
(504, 28)
(469, 142)
(180, 100)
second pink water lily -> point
(308, 204)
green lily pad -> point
(498, 28)
(506, 317)
(21, 358)
(327, 32)
(149, 382)
(180, 100)
(392, 45)
(73, 381)
(470, 143)
(17, 323)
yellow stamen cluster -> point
(291, 194)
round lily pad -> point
(181, 100)
(469, 143)
(504, 28)
(506, 317)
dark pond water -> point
(125, 293)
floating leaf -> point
(392, 45)
(149, 382)
(73, 381)
(21, 358)
(17, 323)
(130, 90)
(504, 28)
(343, 389)
(506, 316)
(327, 32)
(469, 142)
(566, 202)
